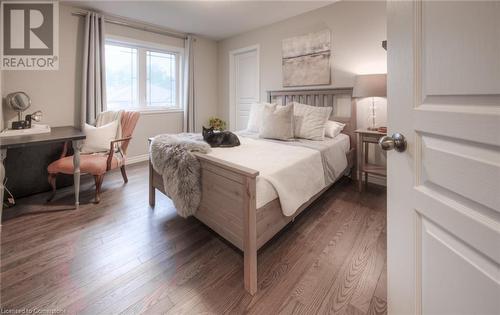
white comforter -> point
(296, 173)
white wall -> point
(57, 93)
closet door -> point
(244, 85)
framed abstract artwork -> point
(306, 59)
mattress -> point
(265, 191)
(332, 164)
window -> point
(121, 77)
(161, 79)
(142, 76)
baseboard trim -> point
(137, 159)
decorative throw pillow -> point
(333, 128)
(277, 122)
(255, 116)
(310, 121)
(98, 138)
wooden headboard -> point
(344, 108)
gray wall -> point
(357, 28)
(57, 93)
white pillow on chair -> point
(99, 138)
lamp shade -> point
(370, 85)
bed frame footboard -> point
(228, 206)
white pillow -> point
(333, 128)
(310, 121)
(255, 116)
(277, 122)
(99, 138)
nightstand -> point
(365, 137)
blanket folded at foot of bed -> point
(171, 156)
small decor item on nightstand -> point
(370, 85)
(382, 129)
(217, 123)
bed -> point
(235, 203)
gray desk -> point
(57, 134)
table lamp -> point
(370, 85)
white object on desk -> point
(35, 129)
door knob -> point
(396, 141)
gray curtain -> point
(94, 74)
(188, 86)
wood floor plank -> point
(369, 279)
(123, 257)
(131, 289)
(294, 262)
(381, 289)
(352, 310)
(39, 222)
(66, 250)
(185, 295)
(344, 287)
(315, 283)
(378, 303)
(69, 278)
(377, 306)
(119, 287)
(201, 272)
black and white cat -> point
(221, 138)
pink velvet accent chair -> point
(98, 164)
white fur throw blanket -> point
(171, 156)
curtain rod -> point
(137, 26)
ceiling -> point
(213, 19)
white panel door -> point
(244, 85)
(444, 190)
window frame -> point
(142, 48)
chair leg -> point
(124, 174)
(52, 182)
(98, 183)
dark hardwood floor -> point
(121, 256)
